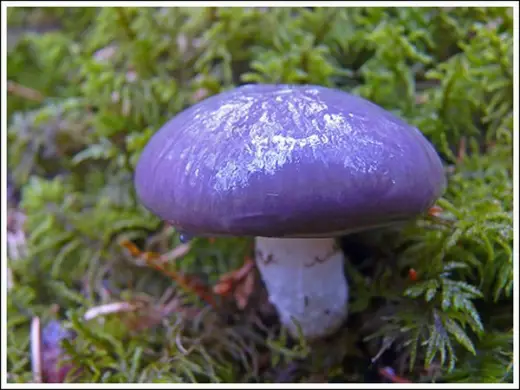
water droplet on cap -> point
(185, 237)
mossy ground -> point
(431, 300)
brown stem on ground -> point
(24, 92)
(189, 283)
(238, 284)
(36, 350)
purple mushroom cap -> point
(287, 161)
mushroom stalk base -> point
(305, 282)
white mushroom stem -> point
(305, 281)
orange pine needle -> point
(188, 283)
(228, 280)
(238, 283)
(223, 287)
(412, 274)
(461, 154)
(434, 211)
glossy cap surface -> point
(288, 161)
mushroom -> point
(295, 166)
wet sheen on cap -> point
(280, 160)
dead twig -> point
(24, 92)
(159, 259)
(176, 253)
(16, 240)
(238, 283)
(36, 350)
(156, 261)
(461, 152)
(110, 308)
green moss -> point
(111, 77)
